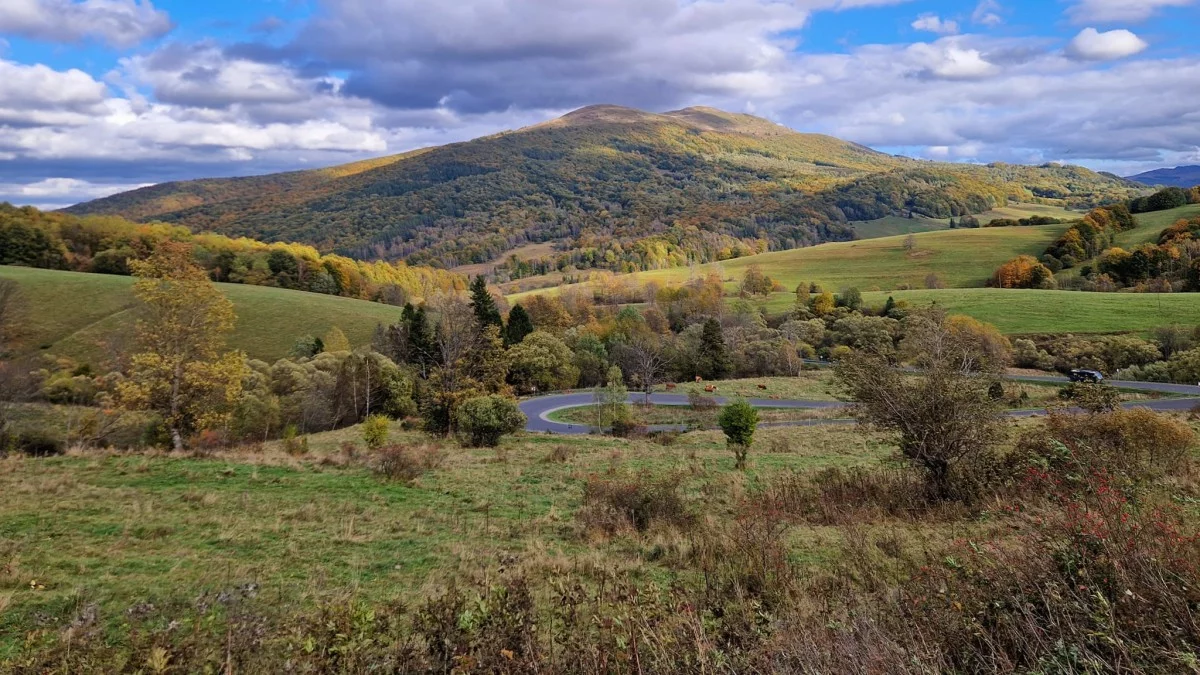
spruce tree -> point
(484, 305)
(712, 361)
(519, 325)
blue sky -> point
(98, 96)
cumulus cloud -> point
(1092, 45)
(118, 23)
(935, 24)
(1120, 10)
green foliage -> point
(519, 325)
(335, 341)
(483, 304)
(483, 420)
(542, 362)
(375, 431)
(739, 420)
(712, 361)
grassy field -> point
(1017, 312)
(79, 315)
(1150, 225)
(960, 258)
(897, 225)
(120, 531)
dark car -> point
(1086, 376)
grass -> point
(1021, 312)
(697, 419)
(1151, 225)
(897, 225)
(120, 530)
(960, 258)
(81, 315)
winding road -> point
(539, 409)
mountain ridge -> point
(1181, 176)
(611, 186)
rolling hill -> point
(1180, 176)
(609, 187)
(81, 315)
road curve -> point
(538, 410)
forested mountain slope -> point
(612, 187)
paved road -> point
(538, 410)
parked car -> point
(1094, 376)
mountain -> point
(610, 187)
(1180, 176)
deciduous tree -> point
(181, 370)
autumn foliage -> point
(1022, 272)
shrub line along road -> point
(539, 409)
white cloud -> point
(118, 23)
(935, 24)
(1092, 45)
(1120, 10)
(987, 13)
(947, 59)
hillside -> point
(610, 187)
(1180, 176)
(960, 259)
(79, 315)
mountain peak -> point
(605, 113)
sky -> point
(102, 96)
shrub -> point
(1093, 397)
(1130, 447)
(623, 428)
(294, 444)
(560, 454)
(615, 504)
(400, 463)
(484, 419)
(739, 420)
(375, 431)
(39, 443)
(699, 401)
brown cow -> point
(763, 387)
(709, 388)
(670, 387)
(699, 379)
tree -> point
(712, 361)
(645, 357)
(739, 420)
(542, 362)
(181, 371)
(418, 345)
(1023, 271)
(335, 341)
(375, 431)
(612, 400)
(484, 305)
(851, 298)
(823, 304)
(307, 347)
(802, 294)
(1172, 340)
(483, 420)
(939, 416)
(519, 325)
(889, 306)
(910, 243)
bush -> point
(700, 402)
(623, 428)
(1131, 447)
(616, 504)
(400, 463)
(39, 444)
(739, 420)
(1093, 397)
(375, 431)
(483, 420)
